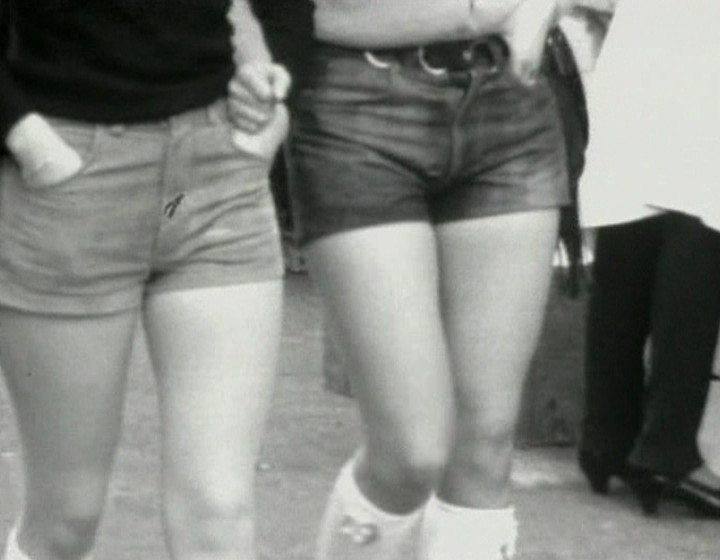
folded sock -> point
(452, 532)
(12, 548)
(354, 528)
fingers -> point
(64, 164)
(525, 61)
(264, 143)
(43, 156)
(281, 82)
(267, 82)
(254, 93)
(53, 162)
(247, 112)
(526, 67)
(255, 78)
(527, 30)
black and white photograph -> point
(359, 280)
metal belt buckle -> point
(427, 67)
(373, 60)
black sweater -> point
(288, 26)
(113, 60)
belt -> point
(490, 53)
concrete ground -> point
(310, 434)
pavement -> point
(312, 431)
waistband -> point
(215, 113)
(490, 53)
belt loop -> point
(425, 65)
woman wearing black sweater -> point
(127, 193)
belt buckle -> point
(488, 50)
(375, 61)
(427, 67)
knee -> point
(490, 422)
(416, 465)
(486, 441)
(210, 517)
(68, 531)
(225, 502)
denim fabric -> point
(157, 206)
(377, 140)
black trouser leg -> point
(618, 324)
(685, 318)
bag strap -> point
(563, 75)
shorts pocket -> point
(83, 138)
(217, 159)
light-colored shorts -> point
(168, 205)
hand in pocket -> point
(45, 159)
(264, 143)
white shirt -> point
(654, 108)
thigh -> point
(495, 276)
(215, 354)
(66, 378)
(380, 287)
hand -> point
(265, 143)
(526, 32)
(45, 159)
(255, 92)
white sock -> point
(12, 548)
(451, 532)
(353, 528)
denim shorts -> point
(376, 140)
(168, 205)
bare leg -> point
(215, 354)
(66, 377)
(380, 287)
(495, 279)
